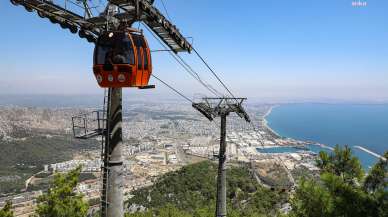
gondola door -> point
(147, 69)
(143, 60)
(139, 66)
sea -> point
(332, 124)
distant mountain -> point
(20, 122)
(32, 137)
(52, 101)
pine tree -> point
(342, 163)
(339, 192)
(61, 199)
(378, 176)
(6, 210)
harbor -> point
(367, 157)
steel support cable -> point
(173, 89)
(213, 72)
(192, 70)
(181, 62)
(74, 3)
(188, 70)
(184, 62)
(95, 7)
(165, 9)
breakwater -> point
(370, 152)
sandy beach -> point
(265, 122)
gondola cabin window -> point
(122, 59)
(114, 49)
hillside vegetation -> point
(19, 159)
(343, 189)
(191, 191)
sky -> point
(291, 50)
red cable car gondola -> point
(122, 59)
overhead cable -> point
(173, 89)
(213, 72)
(165, 9)
(185, 65)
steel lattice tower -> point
(221, 107)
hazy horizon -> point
(96, 100)
(277, 51)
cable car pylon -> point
(112, 200)
(122, 59)
(221, 107)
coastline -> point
(265, 122)
(323, 146)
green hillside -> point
(21, 158)
(191, 191)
